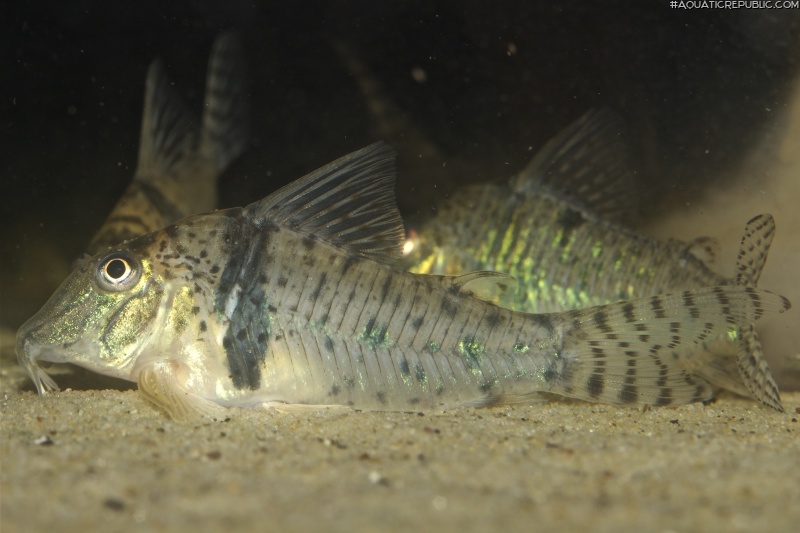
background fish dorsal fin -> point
(168, 129)
(494, 287)
(586, 164)
(349, 203)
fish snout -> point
(28, 353)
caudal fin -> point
(226, 115)
(630, 352)
(752, 365)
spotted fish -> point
(179, 162)
(562, 228)
(293, 301)
(557, 227)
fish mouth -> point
(28, 354)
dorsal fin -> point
(349, 203)
(493, 287)
(586, 164)
(758, 234)
(168, 129)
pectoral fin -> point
(161, 384)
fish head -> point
(99, 318)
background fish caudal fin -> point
(226, 112)
(630, 352)
(180, 162)
(753, 368)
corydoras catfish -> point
(179, 162)
(293, 301)
(559, 228)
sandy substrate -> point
(103, 460)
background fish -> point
(179, 162)
(293, 301)
(557, 227)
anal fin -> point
(754, 369)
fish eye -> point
(118, 271)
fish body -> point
(559, 228)
(293, 301)
(179, 160)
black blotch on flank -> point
(244, 355)
(335, 390)
(203, 326)
(381, 397)
(404, 368)
(214, 269)
(328, 344)
(282, 281)
(417, 323)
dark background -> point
(696, 87)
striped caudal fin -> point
(226, 115)
(629, 352)
(750, 361)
